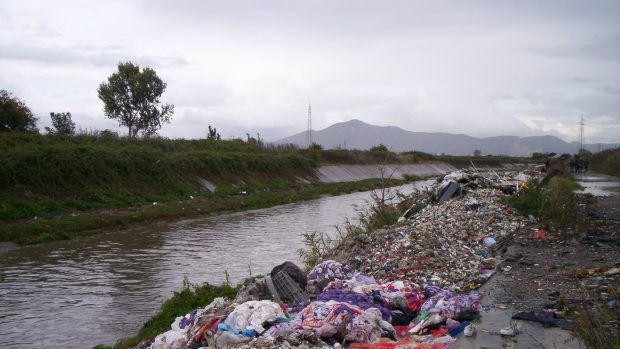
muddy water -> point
(598, 184)
(75, 294)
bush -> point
(15, 115)
(529, 199)
(559, 204)
(555, 205)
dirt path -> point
(561, 273)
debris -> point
(411, 285)
(508, 331)
(470, 330)
(546, 318)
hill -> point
(356, 134)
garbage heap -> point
(410, 286)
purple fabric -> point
(361, 300)
(184, 322)
(330, 269)
(363, 279)
(431, 290)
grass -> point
(225, 199)
(598, 323)
(187, 299)
(45, 176)
(55, 188)
(607, 162)
(555, 205)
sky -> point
(482, 68)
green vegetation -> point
(598, 323)
(483, 161)
(62, 123)
(131, 96)
(45, 176)
(55, 187)
(189, 298)
(226, 198)
(555, 205)
(15, 115)
(607, 161)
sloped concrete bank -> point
(349, 173)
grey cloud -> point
(609, 90)
(88, 55)
(581, 79)
(454, 66)
(200, 95)
(597, 47)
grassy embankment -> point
(54, 188)
(607, 162)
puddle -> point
(598, 185)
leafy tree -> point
(15, 115)
(477, 152)
(379, 148)
(63, 125)
(255, 141)
(132, 97)
(315, 146)
(213, 134)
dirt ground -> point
(570, 269)
(562, 272)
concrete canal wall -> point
(349, 173)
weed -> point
(529, 199)
(598, 324)
(227, 276)
(555, 204)
(559, 204)
(318, 244)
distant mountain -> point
(356, 134)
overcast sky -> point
(482, 68)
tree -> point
(132, 97)
(62, 123)
(381, 148)
(15, 115)
(213, 134)
(477, 152)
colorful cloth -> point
(329, 270)
(327, 318)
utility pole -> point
(309, 127)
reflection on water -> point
(75, 294)
(598, 185)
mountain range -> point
(356, 134)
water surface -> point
(74, 294)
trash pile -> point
(450, 245)
(353, 310)
(410, 286)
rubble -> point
(410, 286)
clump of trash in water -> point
(409, 286)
